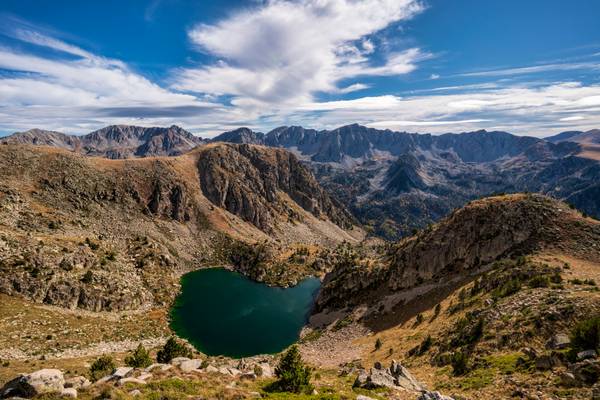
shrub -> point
(171, 350)
(460, 363)
(88, 277)
(139, 359)
(509, 288)
(293, 376)
(539, 281)
(101, 367)
(586, 335)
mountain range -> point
(392, 182)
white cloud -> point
(536, 69)
(521, 110)
(434, 76)
(284, 52)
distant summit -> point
(115, 141)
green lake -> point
(223, 313)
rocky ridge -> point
(95, 234)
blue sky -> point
(529, 67)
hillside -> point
(97, 234)
(485, 304)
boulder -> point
(583, 355)
(212, 368)
(559, 341)
(39, 382)
(135, 392)
(361, 379)
(69, 392)
(77, 382)
(190, 365)
(404, 378)
(380, 378)
(396, 376)
(122, 372)
(267, 371)
(362, 397)
(178, 360)
(567, 379)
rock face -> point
(398, 181)
(472, 237)
(36, 383)
(248, 181)
(115, 141)
(118, 234)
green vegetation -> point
(171, 350)
(467, 333)
(139, 359)
(102, 367)
(88, 277)
(460, 363)
(509, 288)
(293, 376)
(586, 335)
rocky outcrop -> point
(34, 384)
(396, 376)
(469, 239)
(249, 181)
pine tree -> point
(139, 359)
(293, 375)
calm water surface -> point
(223, 313)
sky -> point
(431, 66)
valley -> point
(94, 250)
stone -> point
(362, 397)
(212, 368)
(190, 365)
(163, 367)
(69, 392)
(433, 396)
(77, 382)
(567, 379)
(404, 378)
(583, 355)
(39, 382)
(122, 372)
(596, 391)
(380, 378)
(267, 371)
(178, 360)
(234, 371)
(135, 381)
(135, 392)
(559, 341)
(361, 379)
